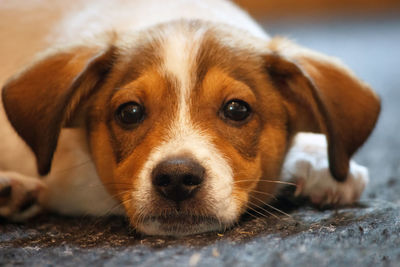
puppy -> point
(181, 116)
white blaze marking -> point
(180, 51)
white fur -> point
(180, 48)
(307, 164)
(123, 16)
(73, 182)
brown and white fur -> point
(182, 61)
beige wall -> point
(278, 8)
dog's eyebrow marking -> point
(139, 58)
(240, 64)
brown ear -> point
(44, 98)
(322, 95)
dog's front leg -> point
(307, 165)
(20, 195)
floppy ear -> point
(46, 96)
(322, 95)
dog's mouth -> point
(179, 224)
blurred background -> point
(365, 35)
(281, 9)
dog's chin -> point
(180, 225)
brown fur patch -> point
(157, 95)
(323, 96)
(53, 88)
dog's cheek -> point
(246, 171)
(273, 146)
(131, 190)
(246, 177)
(119, 178)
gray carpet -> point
(367, 234)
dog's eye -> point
(130, 114)
(236, 110)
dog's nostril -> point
(178, 178)
(162, 180)
(191, 180)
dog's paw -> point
(307, 165)
(318, 184)
(19, 196)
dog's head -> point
(188, 123)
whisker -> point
(112, 209)
(120, 193)
(272, 207)
(260, 213)
(267, 181)
(248, 206)
(247, 212)
(252, 215)
(264, 193)
(119, 204)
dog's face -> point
(187, 132)
(189, 123)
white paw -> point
(19, 195)
(307, 165)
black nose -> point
(178, 178)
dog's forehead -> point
(179, 53)
(184, 53)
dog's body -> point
(183, 67)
